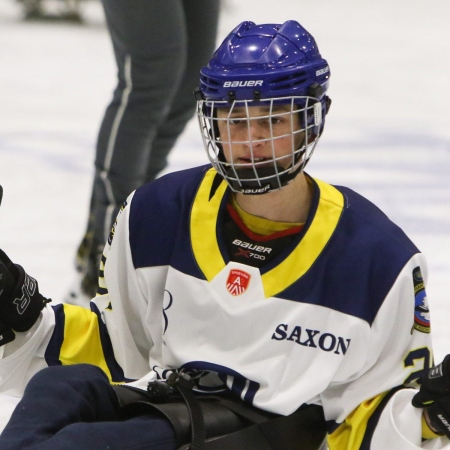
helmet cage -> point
(302, 113)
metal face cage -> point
(260, 146)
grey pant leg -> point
(149, 41)
(202, 17)
(160, 46)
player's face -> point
(258, 135)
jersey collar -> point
(206, 218)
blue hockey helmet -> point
(264, 64)
(266, 61)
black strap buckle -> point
(184, 386)
(158, 391)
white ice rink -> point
(387, 134)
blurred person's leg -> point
(150, 41)
(202, 17)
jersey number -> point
(411, 360)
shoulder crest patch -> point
(421, 311)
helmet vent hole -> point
(289, 81)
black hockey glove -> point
(20, 300)
(434, 395)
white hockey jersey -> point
(339, 318)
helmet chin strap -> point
(259, 181)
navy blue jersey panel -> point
(159, 219)
(360, 262)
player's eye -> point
(237, 120)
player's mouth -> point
(258, 162)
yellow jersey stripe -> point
(82, 342)
(350, 433)
(203, 228)
(203, 225)
(321, 229)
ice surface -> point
(387, 134)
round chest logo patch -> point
(238, 281)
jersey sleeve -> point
(370, 405)
(23, 357)
(399, 426)
(63, 335)
(110, 335)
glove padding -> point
(434, 395)
(20, 300)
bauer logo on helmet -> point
(242, 83)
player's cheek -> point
(228, 152)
